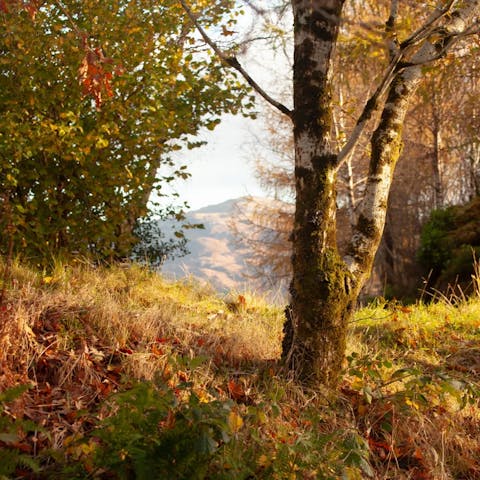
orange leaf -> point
(156, 351)
(236, 390)
(418, 454)
(31, 8)
(169, 422)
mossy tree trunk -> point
(325, 287)
(320, 295)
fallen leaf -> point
(236, 390)
(235, 421)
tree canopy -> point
(94, 97)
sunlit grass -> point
(80, 333)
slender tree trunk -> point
(474, 164)
(437, 178)
(318, 313)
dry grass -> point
(81, 333)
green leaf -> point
(8, 437)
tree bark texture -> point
(319, 312)
(325, 287)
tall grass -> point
(408, 406)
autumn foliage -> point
(94, 100)
(93, 77)
(31, 6)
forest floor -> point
(115, 373)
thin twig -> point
(81, 34)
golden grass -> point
(83, 332)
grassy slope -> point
(81, 334)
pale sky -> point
(222, 169)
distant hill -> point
(214, 255)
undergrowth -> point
(115, 373)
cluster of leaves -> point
(76, 179)
(12, 431)
(179, 432)
(449, 242)
(156, 244)
(29, 6)
(154, 432)
(375, 376)
(387, 400)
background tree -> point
(94, 97)
(432, 170)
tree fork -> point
(325, 287)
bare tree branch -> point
(426, 29)
(233, 62)
(370, 108)
(259, 10)
(390, 29)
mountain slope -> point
(214, 255)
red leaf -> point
(32, 9)
(169, 422)
(3, 6)
(23, 447)
(92, 76)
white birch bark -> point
(386, 141)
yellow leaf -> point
(412, 404)
(129, 172)
(235, 421)
(47, 280)
(362, 409)
(101, 143)
(263, 461)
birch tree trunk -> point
(320, 298)
(325, 287)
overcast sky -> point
(222, 169)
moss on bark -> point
(317, 342)
(322, 295)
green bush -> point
(448, 243)
(154, 432)
(435, 247)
